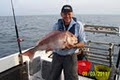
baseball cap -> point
(66, 8)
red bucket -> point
(83, 66)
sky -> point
(43, 7)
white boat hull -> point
(37, 68)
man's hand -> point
(78, 45)
(70, 46)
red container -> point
(83, 66)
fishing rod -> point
(17, 34)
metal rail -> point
(96, 56)
(91, 47)
(101, 55)
(96, 53)
(102, 29)
(98, 59)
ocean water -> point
(32, 28)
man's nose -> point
(67, 15)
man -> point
(66, 59)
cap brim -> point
(67, 10)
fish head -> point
(71, 38)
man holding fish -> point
(66, 37)
(66, 59)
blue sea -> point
(32, 28)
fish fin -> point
(47, 50)
(30, 53)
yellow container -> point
(102, 72)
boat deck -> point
(44, 71)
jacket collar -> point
(71, 24)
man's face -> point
(67, 17)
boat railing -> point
(100, 52)
(102, 29)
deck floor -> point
(38, 76)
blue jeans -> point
(67, 63)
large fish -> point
(53, 40)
